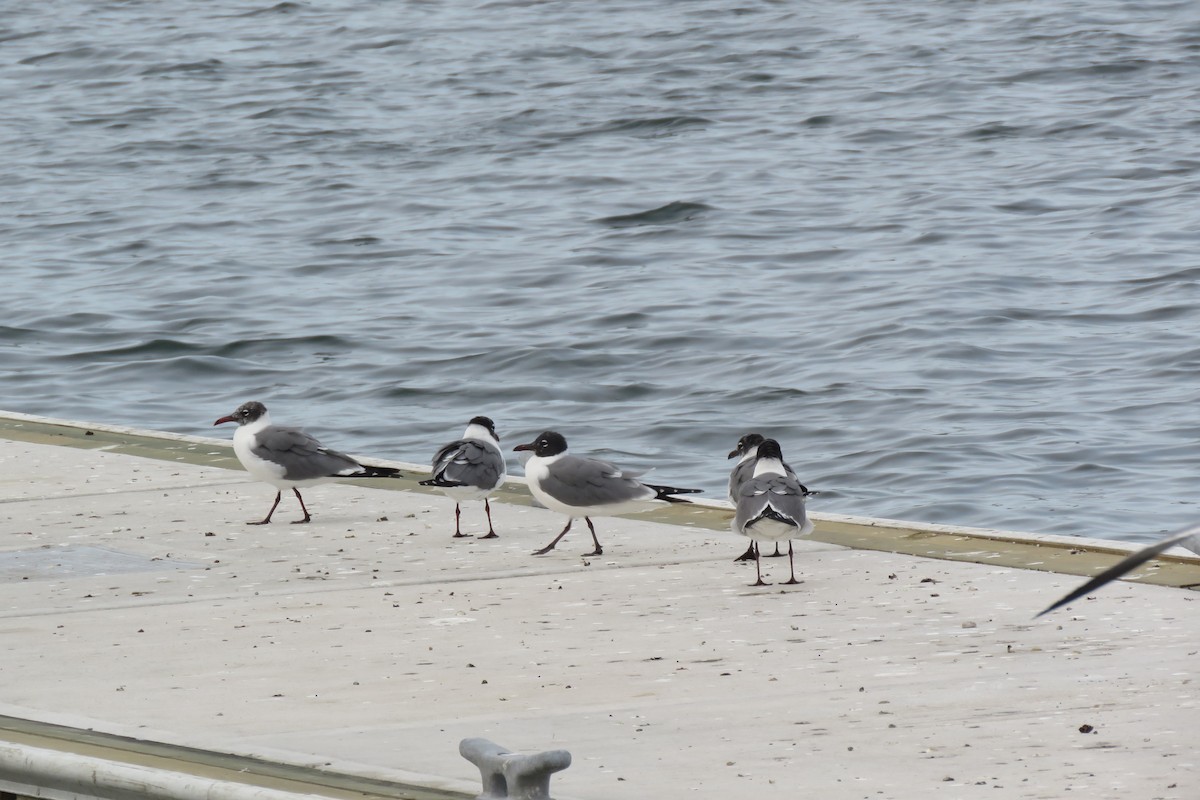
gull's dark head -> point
(770, 449)
(487, 424)
(746, 444)
(549, 443)
(245, 414)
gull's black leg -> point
(275, 505)
(491, 534)
(307, 518)
(550, 546)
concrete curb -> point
(38, 772)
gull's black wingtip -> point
(1127, 564)
(665, 492)
(378, 472)
(1095, 583)
(440, 482)
(1059, 604)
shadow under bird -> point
(743, 470)
(288, 458)
(770, 505)
(470, 468)
(1188, 538)
(587, 487)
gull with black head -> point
(743, 470)
(288, 458)
(587, 487)
(470, 468)
(770, 505)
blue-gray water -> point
(946, 252)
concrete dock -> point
(147, 626)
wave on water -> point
(671, 213)
(948, 259)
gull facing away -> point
(743, 470)
(770, 505)
(1188, 538)
(470, 468)
(587, 487)
(288, 458)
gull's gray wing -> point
(1188, 538)
(770, 495)
(583, 482)
(744, 471)
(741, 472)
(302, 457)
(468, 463)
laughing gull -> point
(771, 506)
(288, 458)
(470, 468)
(586, 487)
(1188, 538)
(747, 448)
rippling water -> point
(945, 251)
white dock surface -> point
(136, 601)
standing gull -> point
(470, 468)
(288, 458)
(1188, 538)
(743, 470)
(586, 487)
(771, 506)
